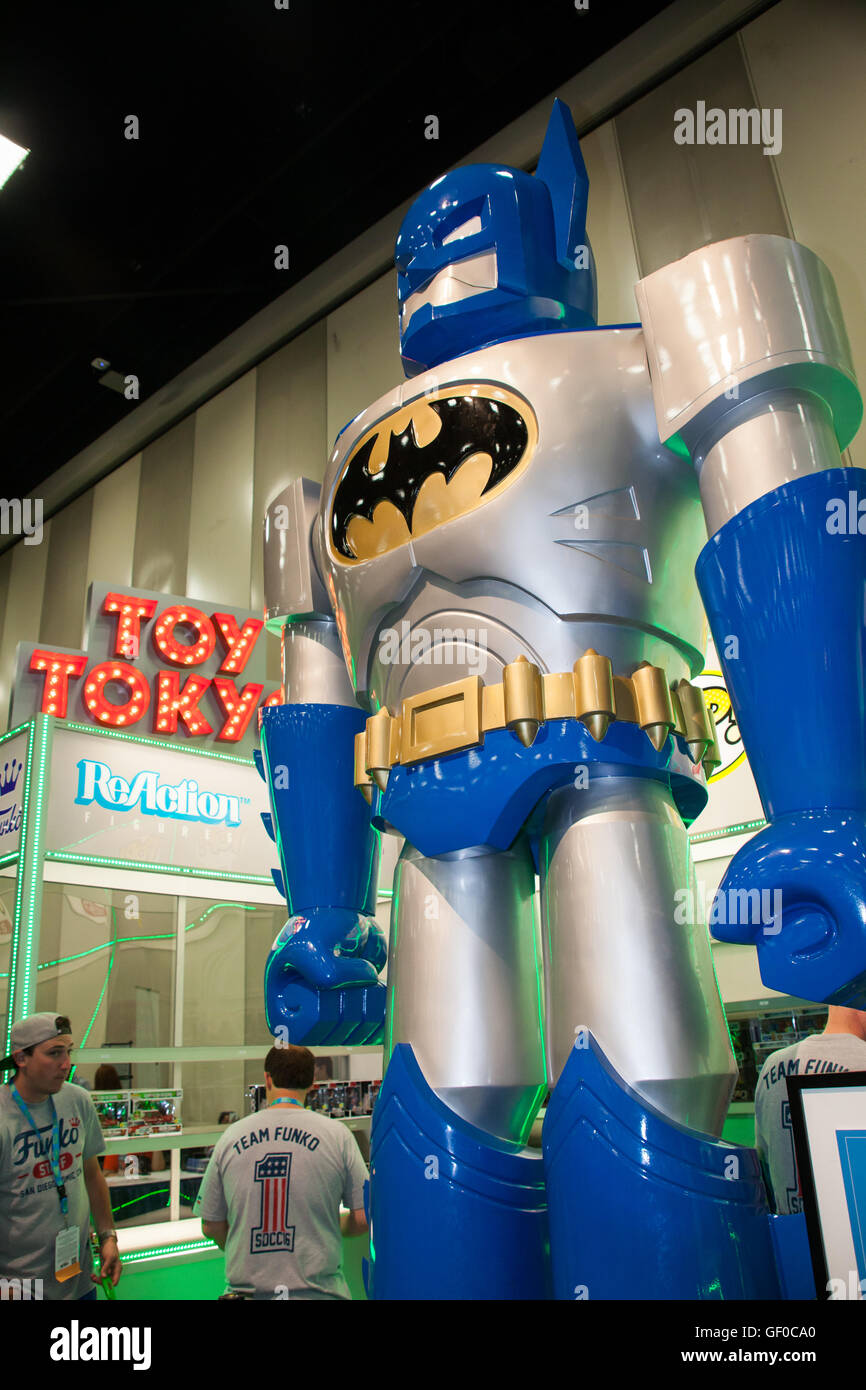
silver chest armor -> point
(590, 541)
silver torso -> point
(591, 544)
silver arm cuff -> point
(750, 366)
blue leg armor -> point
(784, 587)
(642, 1208)
(456, 1213)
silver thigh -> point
(621, 956)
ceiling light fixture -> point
(12, 156)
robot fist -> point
(796, 892)
(321, 980)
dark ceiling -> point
(258, 126)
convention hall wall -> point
(183, 514)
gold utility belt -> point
(453, 717)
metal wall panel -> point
(112, 528)
(363, 352)
(609, 229)
(291, 439)
(28, 564)
(162, 533)
(66, 574)
(685, 196)
(291, 428)
(809, 61)
(220, 529)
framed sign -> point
(137, 801)
(13, 756)
(828, 1118)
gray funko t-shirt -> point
(30, 1215)
(278, 1178)
(774, 1137)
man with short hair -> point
(50, 1179)
(841, 1047)
(272, 1191)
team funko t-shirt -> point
(30, 1215)
(774, 1138)
(282, 1173)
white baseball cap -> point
(35, 1028)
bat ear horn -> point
(562, 169)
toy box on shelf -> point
(155, 1112)
(113, 1108)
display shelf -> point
(757, 1034)
(192, 1137)
(194, 1052)
(350, 1121)
(774, 1044)
(146, 1179)
(199, 1137)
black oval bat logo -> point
(428, 462)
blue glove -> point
(802, 881)
(321, 976)
(321, 979)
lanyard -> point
(286, 1100)
(55, 1145)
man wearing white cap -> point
(50, 1179)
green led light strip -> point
(14, 732)
(724, 830)
(374, 859)
(142, 1196)
(19, 887)
(149, 936)
(395, 917)
(539, 984)
(9, 858)
(105, 982)
(157, 743)
(61, 857)
(138, 1256)
(34, 894)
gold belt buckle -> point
(441, 720)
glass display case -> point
(758, 1032)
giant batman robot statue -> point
(490, 626)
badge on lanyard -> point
(66, 1262)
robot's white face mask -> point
(454, 282)
(430, 461)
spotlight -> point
(12, 156)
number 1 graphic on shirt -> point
(273, 1174)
